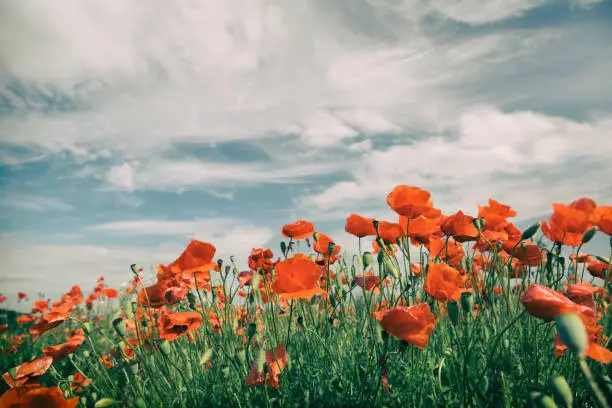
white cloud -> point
(122, 177)
(478, 12)
(33, 203)
(324, 130)
(506, 156)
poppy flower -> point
(584, 204)
(56, 316)
(166, 292)
(412, 324)
(261, 258)
(599, 269)
(28, 373)
(545, 303)
(40, 306)
(276, 360)
(567, 225)
(21, 295)
(390, 232)
(421, 229)
(583, 294)
(416, 269)
(37, 397)
(370, 282)
(58, 352)
(449, 250)
(175, 325)
(602, 217)
(443, 282)
(297, 277)
(79, 382)
(495, 215)
(245, 278)
(110, 293)
(25, 319)
(197, 257)
(360, 226)
(412, 202)
(461, 227)
(526, 252)
(321, 245)
(298, 230)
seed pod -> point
(589, 234)
(572, 332)
(453, 312)
(530, 232)
(561, 391)
(106, 402)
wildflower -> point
(37, 397)
(412, 202)
(298, 230)
(175, 325)
(602, 217)
(544, 303)
(412, 324)
(444, 282)
(28, 373)
(21, 295)
(297, 277)
(79, 382)
(461, 227)
(360, 226)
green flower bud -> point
(260, 360)
(530, 232)
(453, 312)
(367, 259)
(165, 348)
(561, 391)
(467, 302)
(315, 236)
(589, 234)
(251, 330)
(241, 356)
(283, 247)
(546, 401)
(206, 357)
(232, 259)
(106, 402)
(330, 247)
(134, 368)
(389, 267)
(220, 263)
(140, 403)
(572, 332)
(135, 269)
(226, 372)
(313, 257)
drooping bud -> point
(589, 234)
(251, 330)
(572, 332)
(453, 312)
(135, 269)
(119, 326)
(530, 232)
(283, 247)
(561, 391)
(467, 302)
(220, 263)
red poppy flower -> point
(197, 257)
(545, 303)
(298, 230)
(245, 278)
(370, 282)
(297, 277)
(321, 245)
(21, 295)
(37, 397)
(526, 252)
(602, 217)
(28, 373)
(175, 325)
(360, 226)
(460, 227)
(444, 282)
(261, 258)
(495, 215)
(449, 250)
(412, 202)
(567, 224)
(412, 324)
(79, 382)
(390, 232)
(421, 229)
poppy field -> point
(434, 311)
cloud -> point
(17, 202)
(523, 158)
(122, 177)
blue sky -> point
(128, 128)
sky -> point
(128, 128)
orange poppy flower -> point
(443, 282)
(297, 277)
(166, 292)
(79, 382)
(60, 351)
(421, 229)
(412, 324)
(298, 230)
(360, 226)
(415, 268)
(545, 303)
(245, 278)
(40, 306)
(602, 217)
(37, 397)
(583, 294)
(197, 257)
(25, 319)
(449, 250)
(175, 325)
(321, 245)
(599, 269)
(29, 373)
(460, 227)
(276, 360)
(412, 202)
(261, 258)
(526, 252)
(584, 204)
(54, 318)
(567, 225)
(495, 215)
(390, 232)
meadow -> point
(435, 311)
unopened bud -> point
(165, 348)
(453, 312)
(467, 302)
(572, 332)
(220, 263)
(315, 236)
(375, 225)
(531, 231)
(367, 259)
(206, 357)
(589, 234)
(251, 330)
(283, 247)
(389, 267)
(119, 326)
(561, 391)
(330, 248)
(260, 360)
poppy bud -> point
(83, 401)
(561, 391)
(390, 267)
(478, 223)
(572, 332)
(206, 357)
(375, 225)
(602, 258)
(379, 331)
(589, 234)
(545, 401)
(165, 348)
(220, 263)
(119, 327)
(106, 402)
(330, 248)
(453, 312)
(87, 328)
(313, 257)
(134, 368)
(530, 232)
(367, 259)
(467, 302)
(241, 356)
(140, 403)
(315, 236)
(260, 360)
(251, 330)
(226, 372)
(86, 353)
(283, 247)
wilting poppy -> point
(174, 325)
(298, 230)
(443, 282)
(276, 360)
(545, 303)
(297, 277)
(412, 324)
(461, 227)
(360, 226)
(411, 202)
